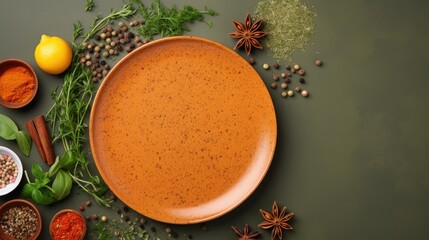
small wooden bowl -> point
(9, 63)
(64, 211)
(16, 203)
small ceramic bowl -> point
(20, 203)
(64, 211)
(10, 187)
(10, 63)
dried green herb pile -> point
(289, 24)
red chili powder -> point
(16, 85)
(68, 226)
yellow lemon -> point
(53, 54)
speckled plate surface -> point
(183, 130)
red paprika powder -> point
(16, 85)
(68, 226)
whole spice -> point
(318, 62)
(245, 234)
(275, 77)
(70, 226)
(304, 93)
(275, 220)
(266, 66)
(35, 136)
(8, 170)
(248, 34)
(16, 85)
(296, 67)
(20, 222)
(39, 133)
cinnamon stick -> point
(35, 136)
(45, 139)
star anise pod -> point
(248, 34)
(245, 234)
(276, 221)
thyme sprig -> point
(71, 104)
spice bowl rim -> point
(10, 187)
(21, 202)
(19, 62)
(64, 211)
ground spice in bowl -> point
(68, 225)
(18, 83)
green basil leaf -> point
(37, 171)
(43, 181)
(27, 190)
(42, 196)
(62, 185)
(24, 142)
(67, 161)
(8, 128)
(55, 167)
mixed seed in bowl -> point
(8, 170)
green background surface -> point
(351, 160)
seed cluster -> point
(8, 170)
(19, 222)
(284, 78)
(110, 42)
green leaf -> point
(41, 182)
(27, 190)
(67, 161)
(55, 167)
(42, 196)
(62, 185)
(37, 171)
(24, 142)
(8, 128)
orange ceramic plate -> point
(183, 130)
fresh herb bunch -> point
(9, 131)
(163, 21)
(67, 117)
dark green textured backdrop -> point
(351, 160)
